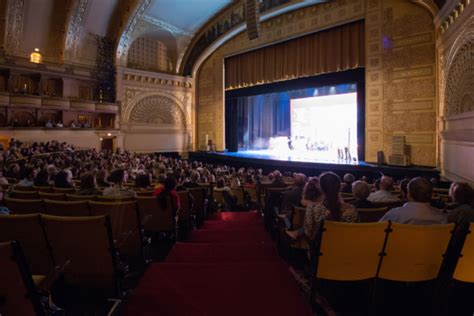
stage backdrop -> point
(253, 115)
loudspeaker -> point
(380, 160)
(253, 19)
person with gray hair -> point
(361, 192)
(418, 210)
(347, 183)
(384, 195)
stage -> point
(308, 165)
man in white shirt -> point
(418, 210)
(384, 195)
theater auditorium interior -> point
(236, 157)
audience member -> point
(142, 182)
(462, 196)
(63, 180)
(418, 210)
(361, 192)
(384, 195)
(29, 178)
(168, 190)
(348, 180)
(88, 185)
(332, 206)
(118, 178)
(41, 179)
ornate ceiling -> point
(67, 31)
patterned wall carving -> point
(14, 23)
(73, 28)
(155, 103)
(459, 96)
(149, 54)
(455, 45)
(157, 110)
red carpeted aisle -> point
(226, 269)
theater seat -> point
(27, 230)
(52, 196)
(126, 226)
(17, 289)
(87, 243)
(156, 218)
(77, 197)
(20, 206)
(465, 267)
(370, 215)
(67, 208)
(24, 195)
(185, 210)
(414, 253)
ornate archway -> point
(157, 110)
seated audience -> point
(331, 208)
(462, 210)
(361, 192)
(88, 185)
(63, 180)
(418, 210)
(404, 190)
(142, 182)
(3, 180)
(101, 177)
(384, 195)
(118, 178)
(293, 197)
(348, 180)
(193, 180)
(29, 178)
(168, 190)
(229, 197)
(311, 195)
(41, 179)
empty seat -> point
(27, 230)
(23, 188)
(185, 210)
(464, 271)
(145, 193)
(239, 195)
(157, 218)
(17, 289)
(358, 259)
(20, 206)
(24, 195)
(67, 208)
(64, 190)
(77, 197)
(47, 189)
(414, 253)
(88, 244)
(104, 198)
(52, 196)
(126, 226)
(370, 215)
(199, 203)
(218, 196)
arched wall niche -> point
(158, 110)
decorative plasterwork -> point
(458, 73)
(134, 95)
(74, 25)
(430, 5)
(453, 15)
(126, 37)
(166, 26)
(157, 110)
(14, 23)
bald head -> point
(419, 190)
(386, 183)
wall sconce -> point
(36, 57)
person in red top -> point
(168, 189)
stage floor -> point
(293, 156)
(268, 161)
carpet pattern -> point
(230, 267)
